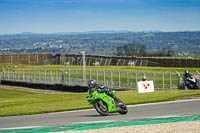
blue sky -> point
(50, 16)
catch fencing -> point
(75, 77)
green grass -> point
(131, 68)
(15, 102)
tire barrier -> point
(57, 87)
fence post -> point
(23, 75)
(45, 75)
(52, 79)
(13, 74)
(97, 74)
(104, 77)
(111, 79)
(3, 70)
(127, 74)
(39, 75)
(8, 74)
(136, 79)
(56, 76)
(18, 73)
(90, 74)
(179, 78)
(4, 76)
(69, 77)
(29, 75)
(154, 78)
(170, 80)
(63, 76)
(76, 75)
(119, 80)
(26, 75)
(198, 79)
(163, 79)
(34, 75)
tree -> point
(167, 51)
(132, 49)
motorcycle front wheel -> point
(196, 86)
(123, 109)
(101, 108)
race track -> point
(143, 111)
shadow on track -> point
(99, 115)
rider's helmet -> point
(144, 78)
(186, 72)
(92, 83)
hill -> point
(183, 43)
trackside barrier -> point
(74, 77)
(199, 78)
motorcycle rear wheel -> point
(101, 108)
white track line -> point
(13, 128)
(167, 102)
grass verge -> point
(15, 102)
(135, 68)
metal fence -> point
(111, 78)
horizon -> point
(100, 32)
(59, 16)
(97, 31)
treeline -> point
(137, 49)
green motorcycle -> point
(105, 101)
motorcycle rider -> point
(144, 78)
(92, 85)
(190, 81)
(108, 92)
(187, 74)
(185, 77)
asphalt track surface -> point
(143, 111)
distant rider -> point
(144, 78)
(190, 81)
(187, 74)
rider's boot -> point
(118, 103)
